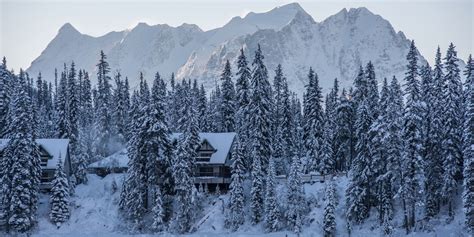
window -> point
(47, 176)
(206, 171)
(44, 156)
(205, 152)
(204, 156)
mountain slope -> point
(288, 35)
(334, 48)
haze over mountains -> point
(335, 47)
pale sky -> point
(27, 26)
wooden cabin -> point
(51, 151)
(212, 162)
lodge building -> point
(212, 162)
(51, 152)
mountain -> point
(288, 35)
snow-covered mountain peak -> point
(302, 18)
(68, 29)
(334, 47)
(275, 19)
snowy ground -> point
(95, 213)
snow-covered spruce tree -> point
(183, 170)
(5, 83)
(282, 119)
(313, 122)
(103, 122)
(24, 164)
(183, 187)
(214, 114)
(158, 212)
(260, 125)
(432, 171)
(329, 222)
(452, 142)
(412, 163)
(372, 92)
(297, 143)
(272, 212)
(277, 145)
(134, 193)
(157, 133)
(332, 102)
(236, 217)
(382, 191)
(394, 143)
(61, 107)
(256, 191)
(59, 197)
(295, 196)
(360, 85)
(119, 110)
(357, 194)
(469, 73)
(343, 134)
(468, 138)
(327, 162)
(228, 100)
(242, 100)
(202, 110)
(434, 165)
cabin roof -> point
(55, 147)
(221, 142)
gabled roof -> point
(116, 160)
(55, 147)
(222, 142)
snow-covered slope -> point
(334, 48)
(95, 212)
(288, 35)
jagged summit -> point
(68, 29)
(334, 47)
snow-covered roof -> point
(55, 147)
(222, 142)
(116, 160)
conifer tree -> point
(61, 107)
(260, 123)
(228, 100)
(59, 197)
(452, 142)
(272, 213)
(5, 82)
(434, 164)
(343, 132)
(242, 101)
(412, 164)
(313, 122)
(468, 138)
(20, 197)
(158, 212)
(329, 222)
(237, 198)
(104, 102)
(295, 196)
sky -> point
(27, 26)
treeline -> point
(409, 146)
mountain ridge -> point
(334, 47)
